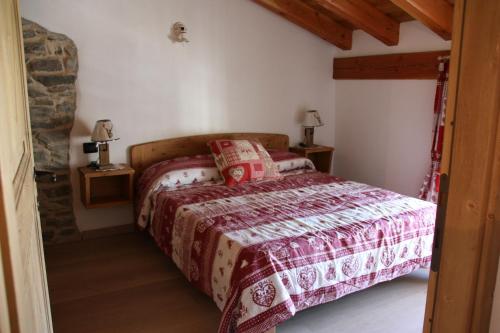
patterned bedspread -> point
(266, 250)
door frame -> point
(460, 293)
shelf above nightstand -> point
(106, 188)
(321, 156)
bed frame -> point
(145, 154)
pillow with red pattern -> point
(271, 170)
(169, 175)
(241, 161)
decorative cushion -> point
(271, 170)
(241, 161)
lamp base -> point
(103, 154)
(108, 167)
(309, 137)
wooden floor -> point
(124, 284)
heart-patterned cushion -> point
(241, 161)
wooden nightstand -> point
(106, 188)
(321, 156)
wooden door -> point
(460, 293)
(23, 269)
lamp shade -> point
(312, 119)
(103, 131)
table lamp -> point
(102, 134)
(311, 120)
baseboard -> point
(110, 231)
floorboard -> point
(125, 284)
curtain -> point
(430, 188)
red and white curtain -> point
(430, 188)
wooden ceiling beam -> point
(310, 19)
(420, 65)
(437, 15)
(366, 17)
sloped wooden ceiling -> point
(335, 20)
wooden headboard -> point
(145, 154)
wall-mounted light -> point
(177, 32)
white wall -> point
(245, 69)
(383, 128)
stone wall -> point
(52, 66)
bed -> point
(265, 250)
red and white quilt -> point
(265, 250)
